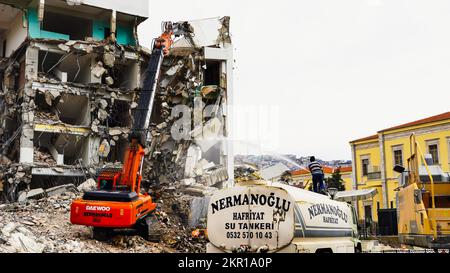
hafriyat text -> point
(248, 215)
(251, 199)
(319, 209)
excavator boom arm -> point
(139, 135)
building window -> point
(77, 28)
(433, 150)
(392, 204)
(398, 156)
(365, 166)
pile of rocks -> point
(173, 213)
(43, 156)
(246, 172)
(46, 118)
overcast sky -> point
(336, 70)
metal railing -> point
(367, 230)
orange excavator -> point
(118, 203)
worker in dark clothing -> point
(317, 175)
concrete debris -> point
(46, 118)
(103, 104)
(115, 131)
(22, 243)
(161, 126)
(4, 160)
(32, 194)
(104, 149)
(71, 43)
(198, 212)
(64, 47)
(102, 114)
(60, 189)
(41, 193)
(10, 227)
(87, 185)
(59, 170)
(187, 182)
(44, 156)
(109, 80)
(98, 70)
(244, 173)
(109, 59)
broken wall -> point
(15, 34)
(191, 76)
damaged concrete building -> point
(71, 74)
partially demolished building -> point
(71, 74)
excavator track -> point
(101, 234)
(150, 228)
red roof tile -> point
(435, 118)
(300, 172)
(365, 138)
(345, 169)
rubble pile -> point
(174, 212)
(172, 160)
(40, 223)
(46, 118)
(12, 175)
(43, 155)
(246, 172)
(180, 76)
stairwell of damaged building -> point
(71, 75)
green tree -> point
(335, 180)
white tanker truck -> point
(260, 216)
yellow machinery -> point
(423, 205)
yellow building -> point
(302, 178)
(374, 158)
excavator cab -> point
(107, 179)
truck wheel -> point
(153, 229)
(101, 234)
